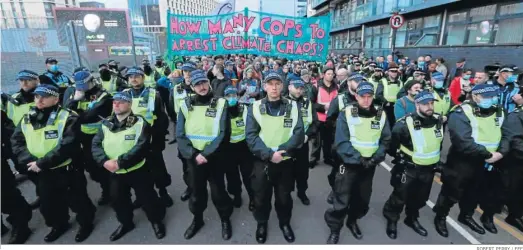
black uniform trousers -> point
(389, 111)
(324, 143)
(461, 183)
(412, 185)
(185, 171)
(491, 193)
(301, 168)
(512, 179)
(352, 192)
(22, 169)
(238, 155)
(13, 203)
(141, 181)
(161, 177)
(198, 176)
(86, 160)
(63, 188)
(267, 177)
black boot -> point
(186, 195)
(19, 235)
(165, 198)
(121, 231)
(251, 204)
(173, 141)
(83, 233)
(4, 229)
(330, 198)
(237, 200)
(354, 228)
(414, 224)
(56, 232)
(488, 223)
(136, 204)
(334, 237)
(440, 223)
(104, 200)
(261, 233)
(313, 164)
(35, 204)
(515, 222)
(288, 234)
(471, 223)
(392, 229)
(159, 230)
(226, 229)
(304, 199)
(196, 225)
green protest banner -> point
(249, 32)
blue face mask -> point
(421, 64)
(486, 103)
(438, 85)
(495, 100)
(232, 101)
(512, 78)
(54, 68)
(466, 77)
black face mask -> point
(159, 64)
(105, 74)
(147, 69)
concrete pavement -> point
(307, 221)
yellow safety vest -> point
(238, 126)
(161, 71)
(90, 128)
(179, 95)
(275, 130)
(306, 113)
(118, 143)
(486, 131)
(149, 81)
(202, 123)
(365, 133)
(16, 112)
(390, 91)
(110, 86)
(426, 143)
(442, 106)
(144, 104)
(44, 140)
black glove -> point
(438, 167)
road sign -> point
(396, 21)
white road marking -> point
(451, 221)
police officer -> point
(91, 103)
(110, 80)
(16, 106)
(44, 141)
(121, 146)
(509, 89)
(310, 123)
(13, 203)
(444, 101)
(161, 67)
(237, 154)
(475, 133)
(511, 147)
(415, 146)
(176, 98)
(202, 126)
(362, 137)
(53, 75)
(387, 92)
(148, 103)
(375, 76)
(274, 132)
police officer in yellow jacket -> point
(202, 127)
(44, 141)
(415, 145)
(387, 91)
(310, 124)
(475, 133)
(274, 134)
(121, 147)
(238, 159)
(16, 106)
(110, 81)
(13, 203)
(91, 103)
(148, 103)
(362, 137)
(176, 98)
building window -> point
(489, 24)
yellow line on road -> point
(514, 232)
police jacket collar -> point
(366, 113)
(26, 97)
(115, 125)
(426, 122)
(39, 117)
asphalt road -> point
(307, 221)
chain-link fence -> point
(27, 40)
